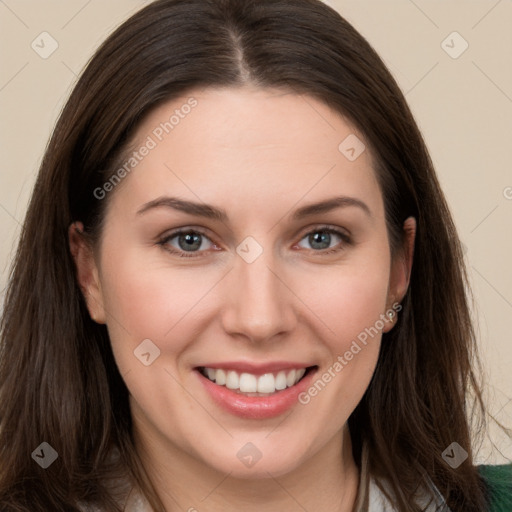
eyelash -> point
(195, 254)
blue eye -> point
(323, 237)
(190, 242)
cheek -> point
(350, 303)
(348, 300)
(148, 301)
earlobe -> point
(86, 271)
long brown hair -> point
(58, 379)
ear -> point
(401, 270)
(86, 271)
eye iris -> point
(192, 241)
(323, 238)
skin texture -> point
(259, 155)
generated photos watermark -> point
(356, 346)
(151, 142)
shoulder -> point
(498, 481)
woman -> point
(181, 340)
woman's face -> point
(260, 289)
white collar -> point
(429, 502)
(371, 498)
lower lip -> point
(256, 407)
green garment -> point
(498, 480)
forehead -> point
(232, 144)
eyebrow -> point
(212, 212)
(329, 205)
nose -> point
(258, 304)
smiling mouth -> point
(249, 384)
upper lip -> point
(256, 368)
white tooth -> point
(290, 378)
(281, 381)
(300, 373)
(220, 377)
(266, 383)
(248, 383)
(232, 380)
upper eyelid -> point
(167, 235)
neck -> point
(327, 481)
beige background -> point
(463, 106)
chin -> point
(256, 460)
